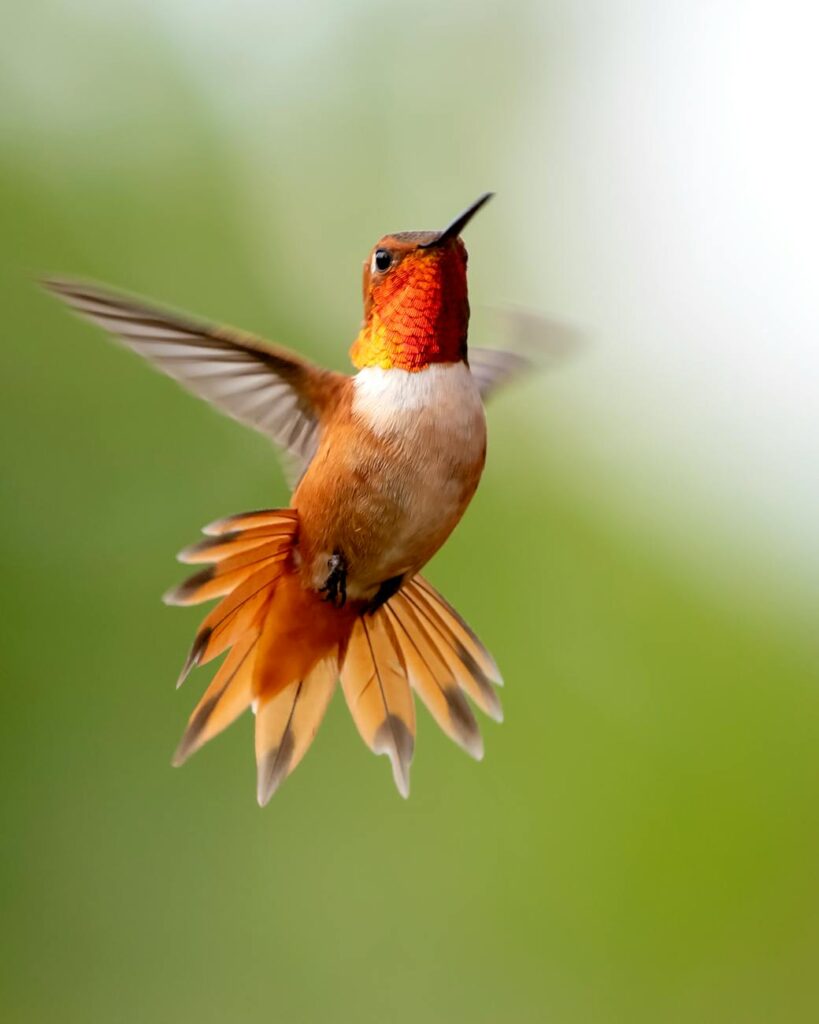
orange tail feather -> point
(288, 645)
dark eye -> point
(382, 260)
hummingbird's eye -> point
(382, 260)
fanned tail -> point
(262, 540)
(286, 645)
(374, 680)
(283, 641)
(286, 724)
(417, 640)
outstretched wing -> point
(265, 387)
(535, 343)
(492, 368)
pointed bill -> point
(456, 227)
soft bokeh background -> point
(641, 842)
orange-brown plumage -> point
(388, 462)
(417, 312)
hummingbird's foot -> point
(335, 586)
(385, 592)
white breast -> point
(435, 422)
(442, 397)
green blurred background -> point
(641, 842)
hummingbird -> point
(387, 461)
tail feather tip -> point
(180, 756)
(394, 739)
(194, 655)
(400, 774)
(474, 747)
(273, 769)
(495, 710)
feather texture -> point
(432, 679)
(229, 694)
(251, 585)
(377, 692)
(536, 343)
(471, 665)
(417, 640)
(494, 368)
(227, 545)
(459, 630)
(273, 519)
(218, 581)
(286, 724)
(265, 387)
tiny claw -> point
(335, 586)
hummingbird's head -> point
(416, 309)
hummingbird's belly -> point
(404, 473)
(410, 521)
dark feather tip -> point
(203, 546)
(394, 739)
(183, 593)
(273, 769)
(194, 656)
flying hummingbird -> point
(387, 460)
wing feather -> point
(536, 343)
(265, 387)
(493, 369)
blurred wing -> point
(492, 369)
(535, 343)
(264, 387)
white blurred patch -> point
(681, 218)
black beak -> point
(460, 222)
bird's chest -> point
(427, 442)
